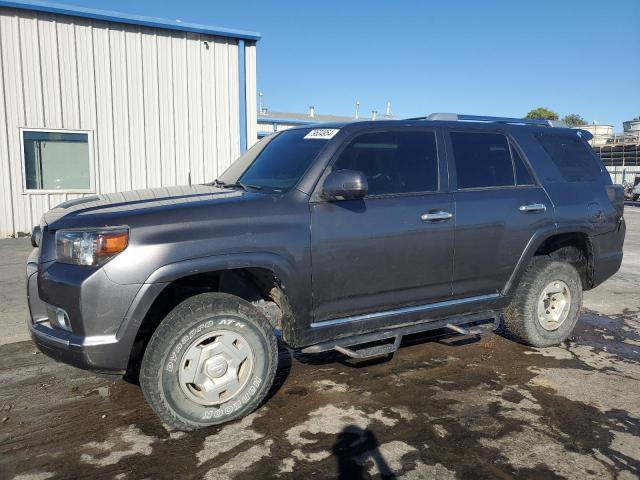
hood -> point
(98, 210)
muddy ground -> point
(438, 409)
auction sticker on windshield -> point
(322, 133)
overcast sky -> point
(494, 57)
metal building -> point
(93, 101)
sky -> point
(484, 57)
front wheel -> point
(211, 360)
(546, 305)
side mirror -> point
(345, 185)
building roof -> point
(118, 17)
(270, 116)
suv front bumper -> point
(98, 309)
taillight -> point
(616, 196)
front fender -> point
(275, 263)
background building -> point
(620, 153)
(269, 122)
(94, 102)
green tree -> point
(543, 113)
(574, 120)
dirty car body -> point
(327, 268)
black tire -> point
(521, 316)
(636, 197)
(180, 329)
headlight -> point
(90, 247)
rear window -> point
(570, 154)
(523, 176)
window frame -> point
(90, 146)
(440, 153)
(511, 142)
(513, 145)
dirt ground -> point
(437, 409)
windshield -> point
(276, 163)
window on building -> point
(523, 175)
(482, 160)
(56, 160)
(570, 154)
(394, 162)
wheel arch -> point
(261, 279)
(548, 241)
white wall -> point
(623, 174)
(160, 103)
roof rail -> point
(455, 117)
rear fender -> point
(537, 239)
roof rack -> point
(455, 117)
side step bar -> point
(371, 352)
(471, 325)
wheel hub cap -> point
(216, 367)
(554, 305)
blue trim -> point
(242, 89)
(292, 121)
(111, 16)
(264, 134)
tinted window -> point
(393, 162)
(572, 157)
(523, 176)
(482, 160)
(278, 162)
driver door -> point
(387, 250)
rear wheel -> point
(211, 360)
(546, 305)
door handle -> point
(436, 216)
(533, 208)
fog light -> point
(63, 319)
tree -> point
(574, 120)
(543, 113)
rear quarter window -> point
(573, 158)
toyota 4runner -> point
(335, 236)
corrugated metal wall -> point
(160, 103)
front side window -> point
(393, 162)
(56, 160)
(277, 162)
(482, 160)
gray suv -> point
(342, 236)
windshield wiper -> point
(237, 184)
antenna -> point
(388, 112)
(374, 114)
(357, 109)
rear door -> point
(382, 252)
(499, 206)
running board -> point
(371, 352)
(474, 324)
